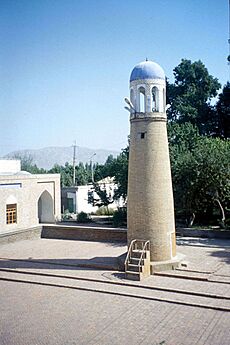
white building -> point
(25, 199)
(77, 199)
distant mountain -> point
(48, 156)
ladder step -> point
(136, 261)
(137, 254)
(133, 275)
(134, 268)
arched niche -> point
(46, 208)
(11, 200)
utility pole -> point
(74, 163)
(91, 163)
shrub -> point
(66, 215)
(120, 217)
(104, 211)
(83, 217)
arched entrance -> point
(46, 208)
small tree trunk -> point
(191, 220)
(222, 211)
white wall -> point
(82, 204)
(25, 191)
(82, 198)
(10, 165)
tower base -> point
(157, 266)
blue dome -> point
(147, 70)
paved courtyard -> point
(49, 295)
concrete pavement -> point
(46, 298)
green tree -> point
(103, 170)
(83, 174)
(66, 173)
(223, 110)
(103, 199)
(119, 169)
(28, 165)
(182, 138)
(190, 95)
(201, 177)
(113, 167)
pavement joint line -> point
(194, 271)
(99, 266)
(169, 274)
(93, 280)
(211, 280)
(208, 279)
(220, 275)
(190, 304)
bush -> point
(120, 217)
(104, 211)
(66, 215)
(83, 217)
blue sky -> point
(65, 64)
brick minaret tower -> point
(150, 197)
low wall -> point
(203, 233)
(24, 234)
(98, 234)
(84, 233)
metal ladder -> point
(137, 262)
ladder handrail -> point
(145, 246)
(147, 243)
(128, 254)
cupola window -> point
(155, 99)
(141, 99)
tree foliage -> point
(201, 175)
(223, 111)
(119, 169)
(113, 167)
(103, 199)
(200, 158)
(190, 95)
(82, 174)
(28, 165)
